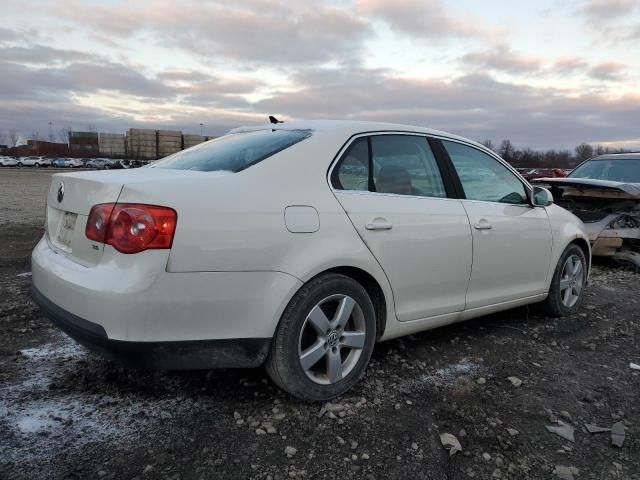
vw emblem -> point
(333, 338)
(60, 192)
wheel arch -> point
(372, 287)
(586, 249)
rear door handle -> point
(483, 225)
(378, 224)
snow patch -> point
(449, 376)
(52, 409)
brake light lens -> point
(132, 227)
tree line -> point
(526, 157)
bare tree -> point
(506, 150)
(63, 134)
(583, 151)
(13, 137)
(489, 144)
(3, 137)
(91, 128)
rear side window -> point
(233, 152)
(353, 172)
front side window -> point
(233, 152)
(397, 164)
(483, 177)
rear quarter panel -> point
(236, 222)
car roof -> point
(350, 127)
(618, 156)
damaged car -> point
(604, 192)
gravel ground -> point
(66, 413)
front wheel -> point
(324, 340)
(19, 164)
(567, 286)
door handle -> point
(378, 224)
(482, 225)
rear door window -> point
(405, 165)
(233, 152)
(397, 164)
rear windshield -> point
(233, 152)
(618, 170)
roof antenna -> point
(274, 120)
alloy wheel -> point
(332, 339)
(571, 280)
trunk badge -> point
(60, 192)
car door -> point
(392, 189)
(512, 240)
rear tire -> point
(20, 164)
(324, 340)
(567, 286)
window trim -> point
(441, 163)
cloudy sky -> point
(546, 74)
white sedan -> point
(299, 246)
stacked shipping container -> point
(84, 142)
(142, 144)
(112, 145)
(169, 142)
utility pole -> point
(201, 124)
(50, 131)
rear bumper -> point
(129, 308)
(167, 355)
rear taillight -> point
(132, 227)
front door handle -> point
(378, 224)
(483, 225)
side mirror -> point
(541, 197)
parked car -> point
(8, 162)
(34, 161)
(99, 163)
(74, 163)
(120, 164)
(266, 246)
(68, 162)
(604, 192)
(59, 162)
(544, 173)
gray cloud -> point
(422, 18)
(258, 31)
(475, 106)
(614, 20)
(608, 71)
(566, 65)
(41, 54)
(502, 58)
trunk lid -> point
(69, 201)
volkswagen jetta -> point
(299, 246)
